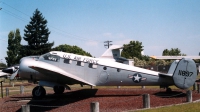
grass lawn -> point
(190, 107)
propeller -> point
(11, 69)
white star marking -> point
(137, 78)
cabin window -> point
(105, 68)
(118, 70)
(79, 63)
(68, 61)
(92, 65)
(51, 57)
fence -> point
(94, 106)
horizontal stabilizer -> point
(168, 75)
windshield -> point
(51, 57)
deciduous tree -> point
(172, 52)
(14, 46)
(133, 49)
(71, 49)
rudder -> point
(185, 73)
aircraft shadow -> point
(174, 94)
(52, 101)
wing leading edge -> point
(53, 71)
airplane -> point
(3, 74)
(58, 70)
(11, 71)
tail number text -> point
(185, 73)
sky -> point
(158, 24)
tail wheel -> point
(67, 87)
(59, 89)
(168, 90)
(38, 92)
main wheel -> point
(59, 89)
(38, 92)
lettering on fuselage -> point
(79, 58)
(185, 73)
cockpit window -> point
(51, 57)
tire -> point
(168, 90)
(38, 92)
(59, 89)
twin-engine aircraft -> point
(2, 74)
(59, 69)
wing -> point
(54, 71)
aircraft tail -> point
(173, 67)
(185, 73)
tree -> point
(71, 49)
(14, 47)
(166, 52)
(3, 65)
(37, 34)
(145, 57)
(172, 52)
(133, 49)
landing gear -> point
(59, 89)
(168, 90)
(38, 92)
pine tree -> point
(37, 34)
(14, 47)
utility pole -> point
(107, 43)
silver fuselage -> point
(97, 71)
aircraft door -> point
(103, 76)
(109, 76)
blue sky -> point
(158, 24)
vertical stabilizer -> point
(173, 67)
(185, 73)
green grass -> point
(191, 107)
